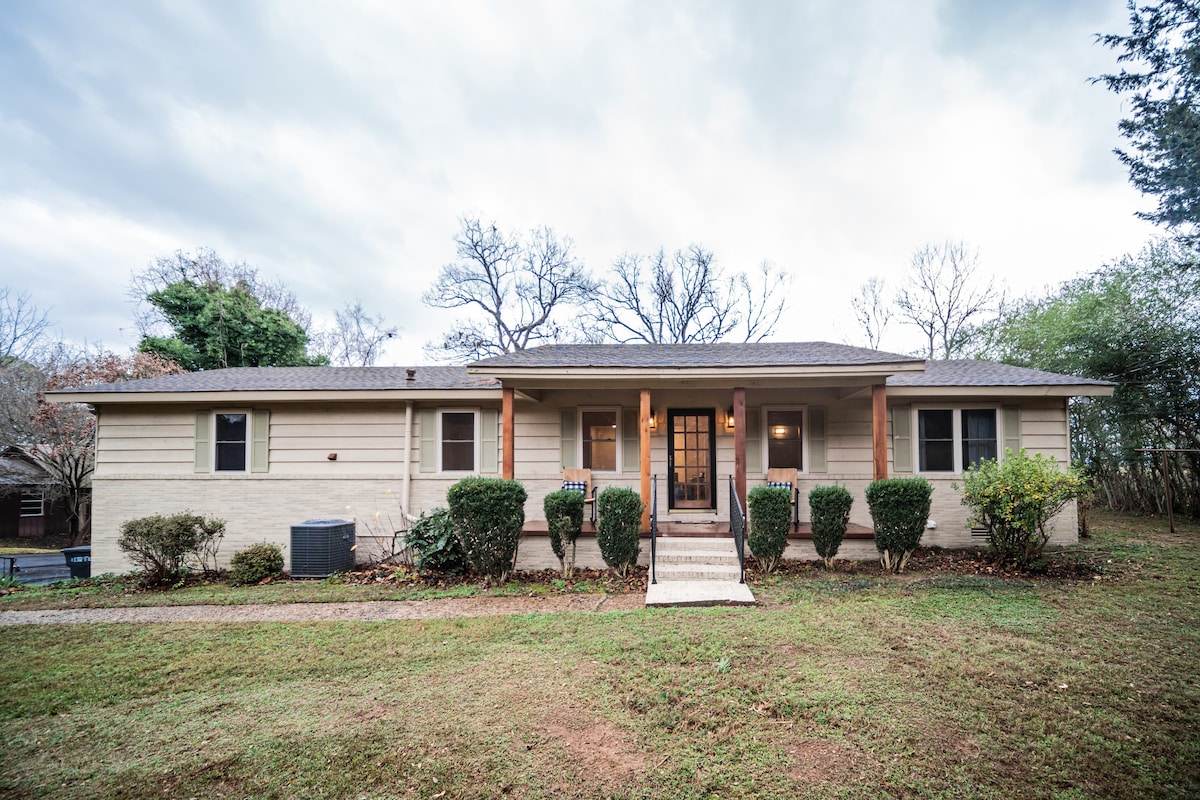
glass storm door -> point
(692, 455)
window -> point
(785, 438)
(599, 439)
(33, 503)
(457, 441)
(950, 440)
(231, 441)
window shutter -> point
(754, 459)
(631, 440)
(260, 450)
(570, 454)
(203, 457)
(429, 456)
(816, 441)
(1012, 429)
(902, 458)
(489, 440)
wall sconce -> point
(729, 419)
(653, 420)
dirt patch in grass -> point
(600, 748)
(815, 761)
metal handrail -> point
(737, 526)
(653, 527)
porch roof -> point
(969, 376)
(723, 364)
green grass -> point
(848, 687)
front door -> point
(691, 457)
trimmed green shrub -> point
(434, 545)
(619, 528)
(564, 518)
(167, 548)
(829, 510)
(255, 564)
(899, 509)
(770, 518)
(487, 515)
(1015, 498)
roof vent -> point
(410, 374)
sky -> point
(336, 145)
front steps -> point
(697, 571)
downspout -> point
(406, 489)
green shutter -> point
(631, 440)
(570, 452)
(489, 440)
(429, 454)
(816, 441)
(260, 450)
(203, 457)
(1012, 429)
(902, 458)
(754, 459)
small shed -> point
(28, 507)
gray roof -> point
(282, 379)
(16, 469)
(969, 372)
(720, 354)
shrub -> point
(770, 518)
(1015, 498)
(256, 564)
(899, 509)
(564, 518)
(166, 549)
(619, 528)
(487, 515)
(829, 510)
(434, 545)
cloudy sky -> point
(336, 144)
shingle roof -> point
(282, 379)
(969, 372)
(17, 470)
(720, 354)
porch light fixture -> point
(653, 423)
(729, 419)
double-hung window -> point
(599, 438)
(33, 503)
(952, 439)
(785, 438)
(458, 435)
(231, 441)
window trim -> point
(617, 462)
(765, 436)
(957, 443)
(476, 415)
(28, 496)
(212, 452)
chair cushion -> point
(780, 485)
(575, 486)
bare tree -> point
(65, 442)
(873, 310)
(514, 286)
(944, 297)
(205, 267)
(685, 298)
(22, 326)
(356, 339)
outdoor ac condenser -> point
(322, 547)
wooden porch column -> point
(506, 415)
(879, 429)
(739, 444)
(644, 449)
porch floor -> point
(700, 529)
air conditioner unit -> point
(322, 547)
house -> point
(28, 506)
(690, 427)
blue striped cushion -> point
(575, 486)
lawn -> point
(850, 685)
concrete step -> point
(683, 557)
(696, 572)
(699, 593)
(695, 544)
